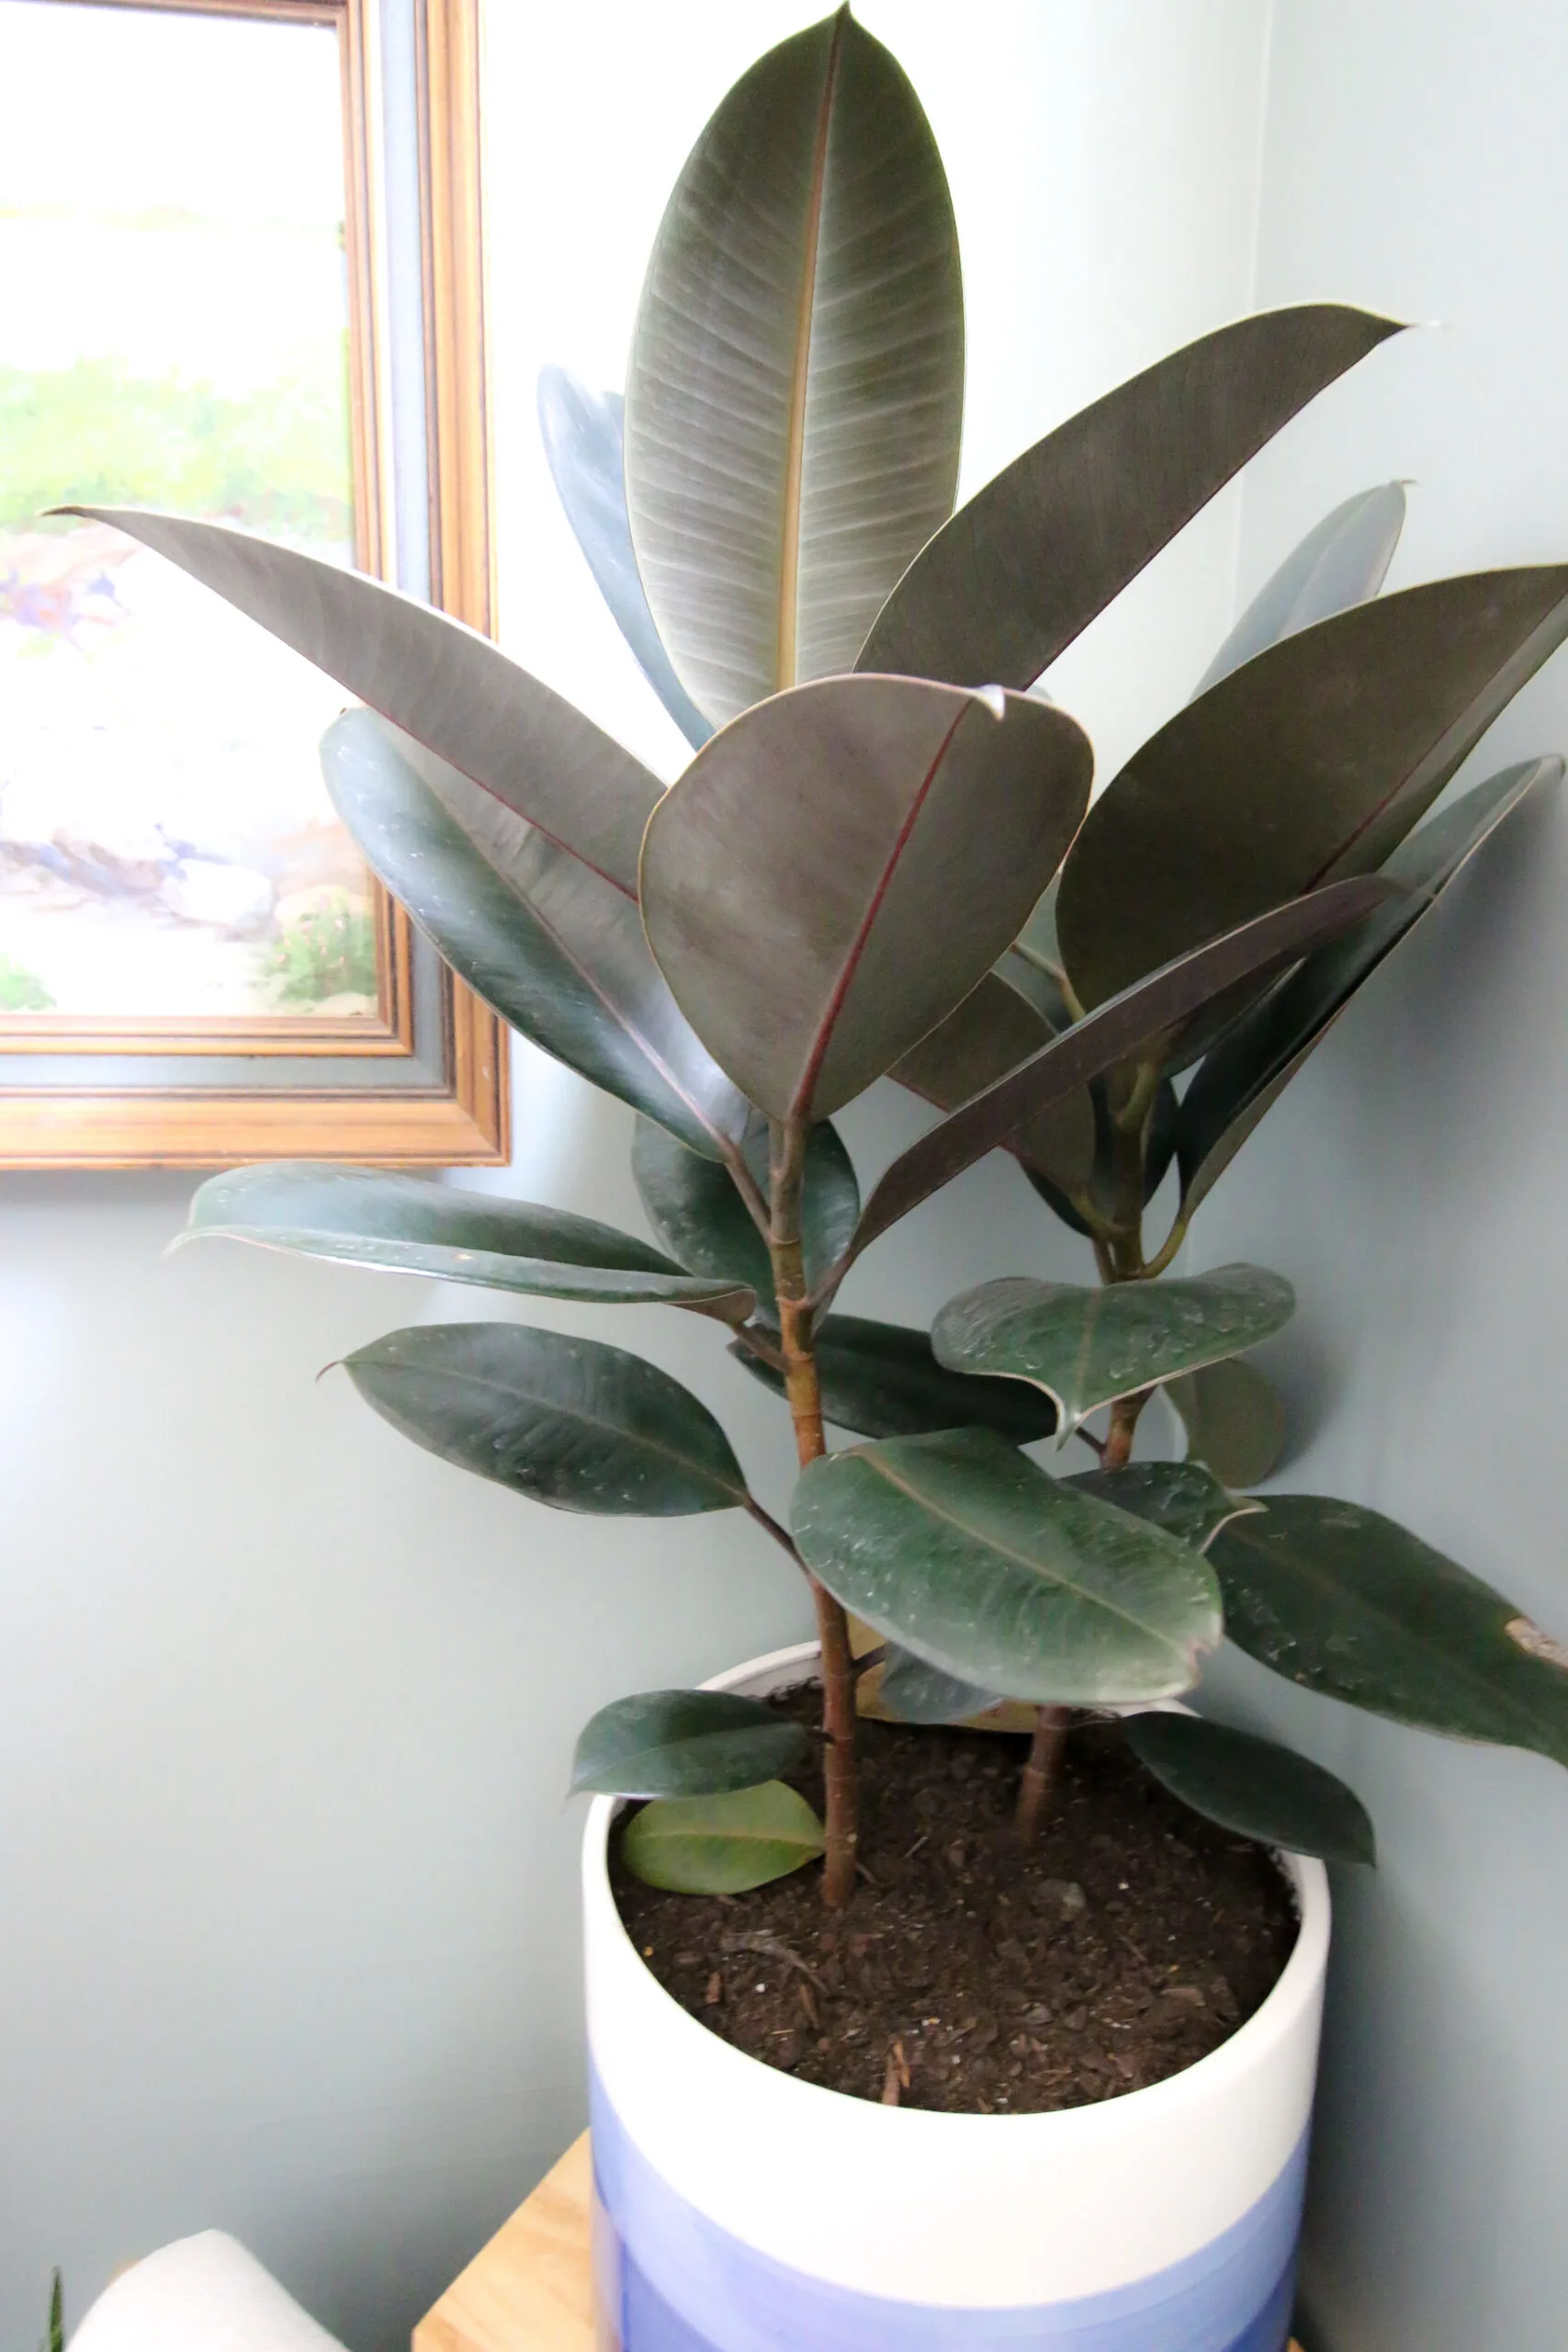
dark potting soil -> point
(967, 1974)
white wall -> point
(286, 1938)
(1411, 1181)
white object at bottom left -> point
(201, 2294)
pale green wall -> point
(1411, 1181)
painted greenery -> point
(882, 859)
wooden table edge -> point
(530, 2289)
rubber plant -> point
(882, 860)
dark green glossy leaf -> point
(992, 1032)
(722, 1845)
(684, 1744)
(1183, 1498)
(1028, 562)
(1310, 764)
(1255, 1786)
(568, 1422)
(882, 1380)
(839, 867)
(438, 681)
(1132, 1023)
(555, 949)
(1346, 1601)
(702, 1220)
(919, 1694)
(960, 1550)
(795, 386)
(1235, 1419)
(407, 1224)
(581, 432)
(1086, 1345)
(1249, 1067)
(1341, 562)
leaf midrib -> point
(1021, 1559)
(786, 642)
(678, 1285)
(511, 1390)
(1322, 1582)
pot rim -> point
(1296, 1987)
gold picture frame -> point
(424, 1083)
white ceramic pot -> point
(740, 2210)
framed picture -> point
(242, 248)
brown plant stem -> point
(1124, 1415)
(1040, 1772)
(803, 1389)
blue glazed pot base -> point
(667, 2279)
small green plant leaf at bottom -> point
(683, 1744)
(964, 1552)
(722, 1845)
(55, 2340)
(1087, 1347)
(568, 1422)
(1254, 1786)
(1340, 1599)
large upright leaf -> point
(1030, 560)
(839, 867)
(437, 680)
(699, 1215)
(960, 1549)
(1310, 764)
(1255, 1786)
(1135, 1021)
(882, 1380)
(406, 1224)
(796, 379)
(558, 951)
(1342, 562)
(582, 433)
(1248, 1069)
(1338, 1598)
(568, 1422)
(994, 1030)
(1087, 1346)
(722, 1845)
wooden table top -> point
(528, 2290)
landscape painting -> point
(174, 334)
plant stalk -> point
(1040, 1772)
(1124, 1415)
(804, 1391)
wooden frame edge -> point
(468, 1123)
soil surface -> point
(966, 1974)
